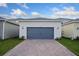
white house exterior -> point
(8, 29)
(40, 28)
(71, 29)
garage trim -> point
(43, 28)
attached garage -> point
(40, 28)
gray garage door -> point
(40, 33)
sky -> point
(51, 10)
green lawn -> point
(72, 45)
(7, 44)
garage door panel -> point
(40, 33)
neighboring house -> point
(8, 29)
(40, 28)
(71, 29)
(64, 20)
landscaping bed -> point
(7, 44)
(72, 45)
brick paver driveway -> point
(39, 48)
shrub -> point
(58, 38)
(77, 38)
(22, 37)
(66, 37)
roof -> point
(8, 22)
(40, 19)
(71, 21)
(34, 18)
(2, 18)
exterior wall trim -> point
(39, 21)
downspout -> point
(3, 31)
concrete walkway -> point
(39, 48)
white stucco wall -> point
(76, 29)
(10, 30)
(1, 30)
(68, 30)
(25, 24)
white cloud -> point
(67, 12)
(8, 16)
(55, 9)
(5, 16)
(24, 5)
(18, 13)
(3, 4)
(35, 14)
(69, 8)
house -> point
(40, 28)
(71, 29)
(8, 29)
